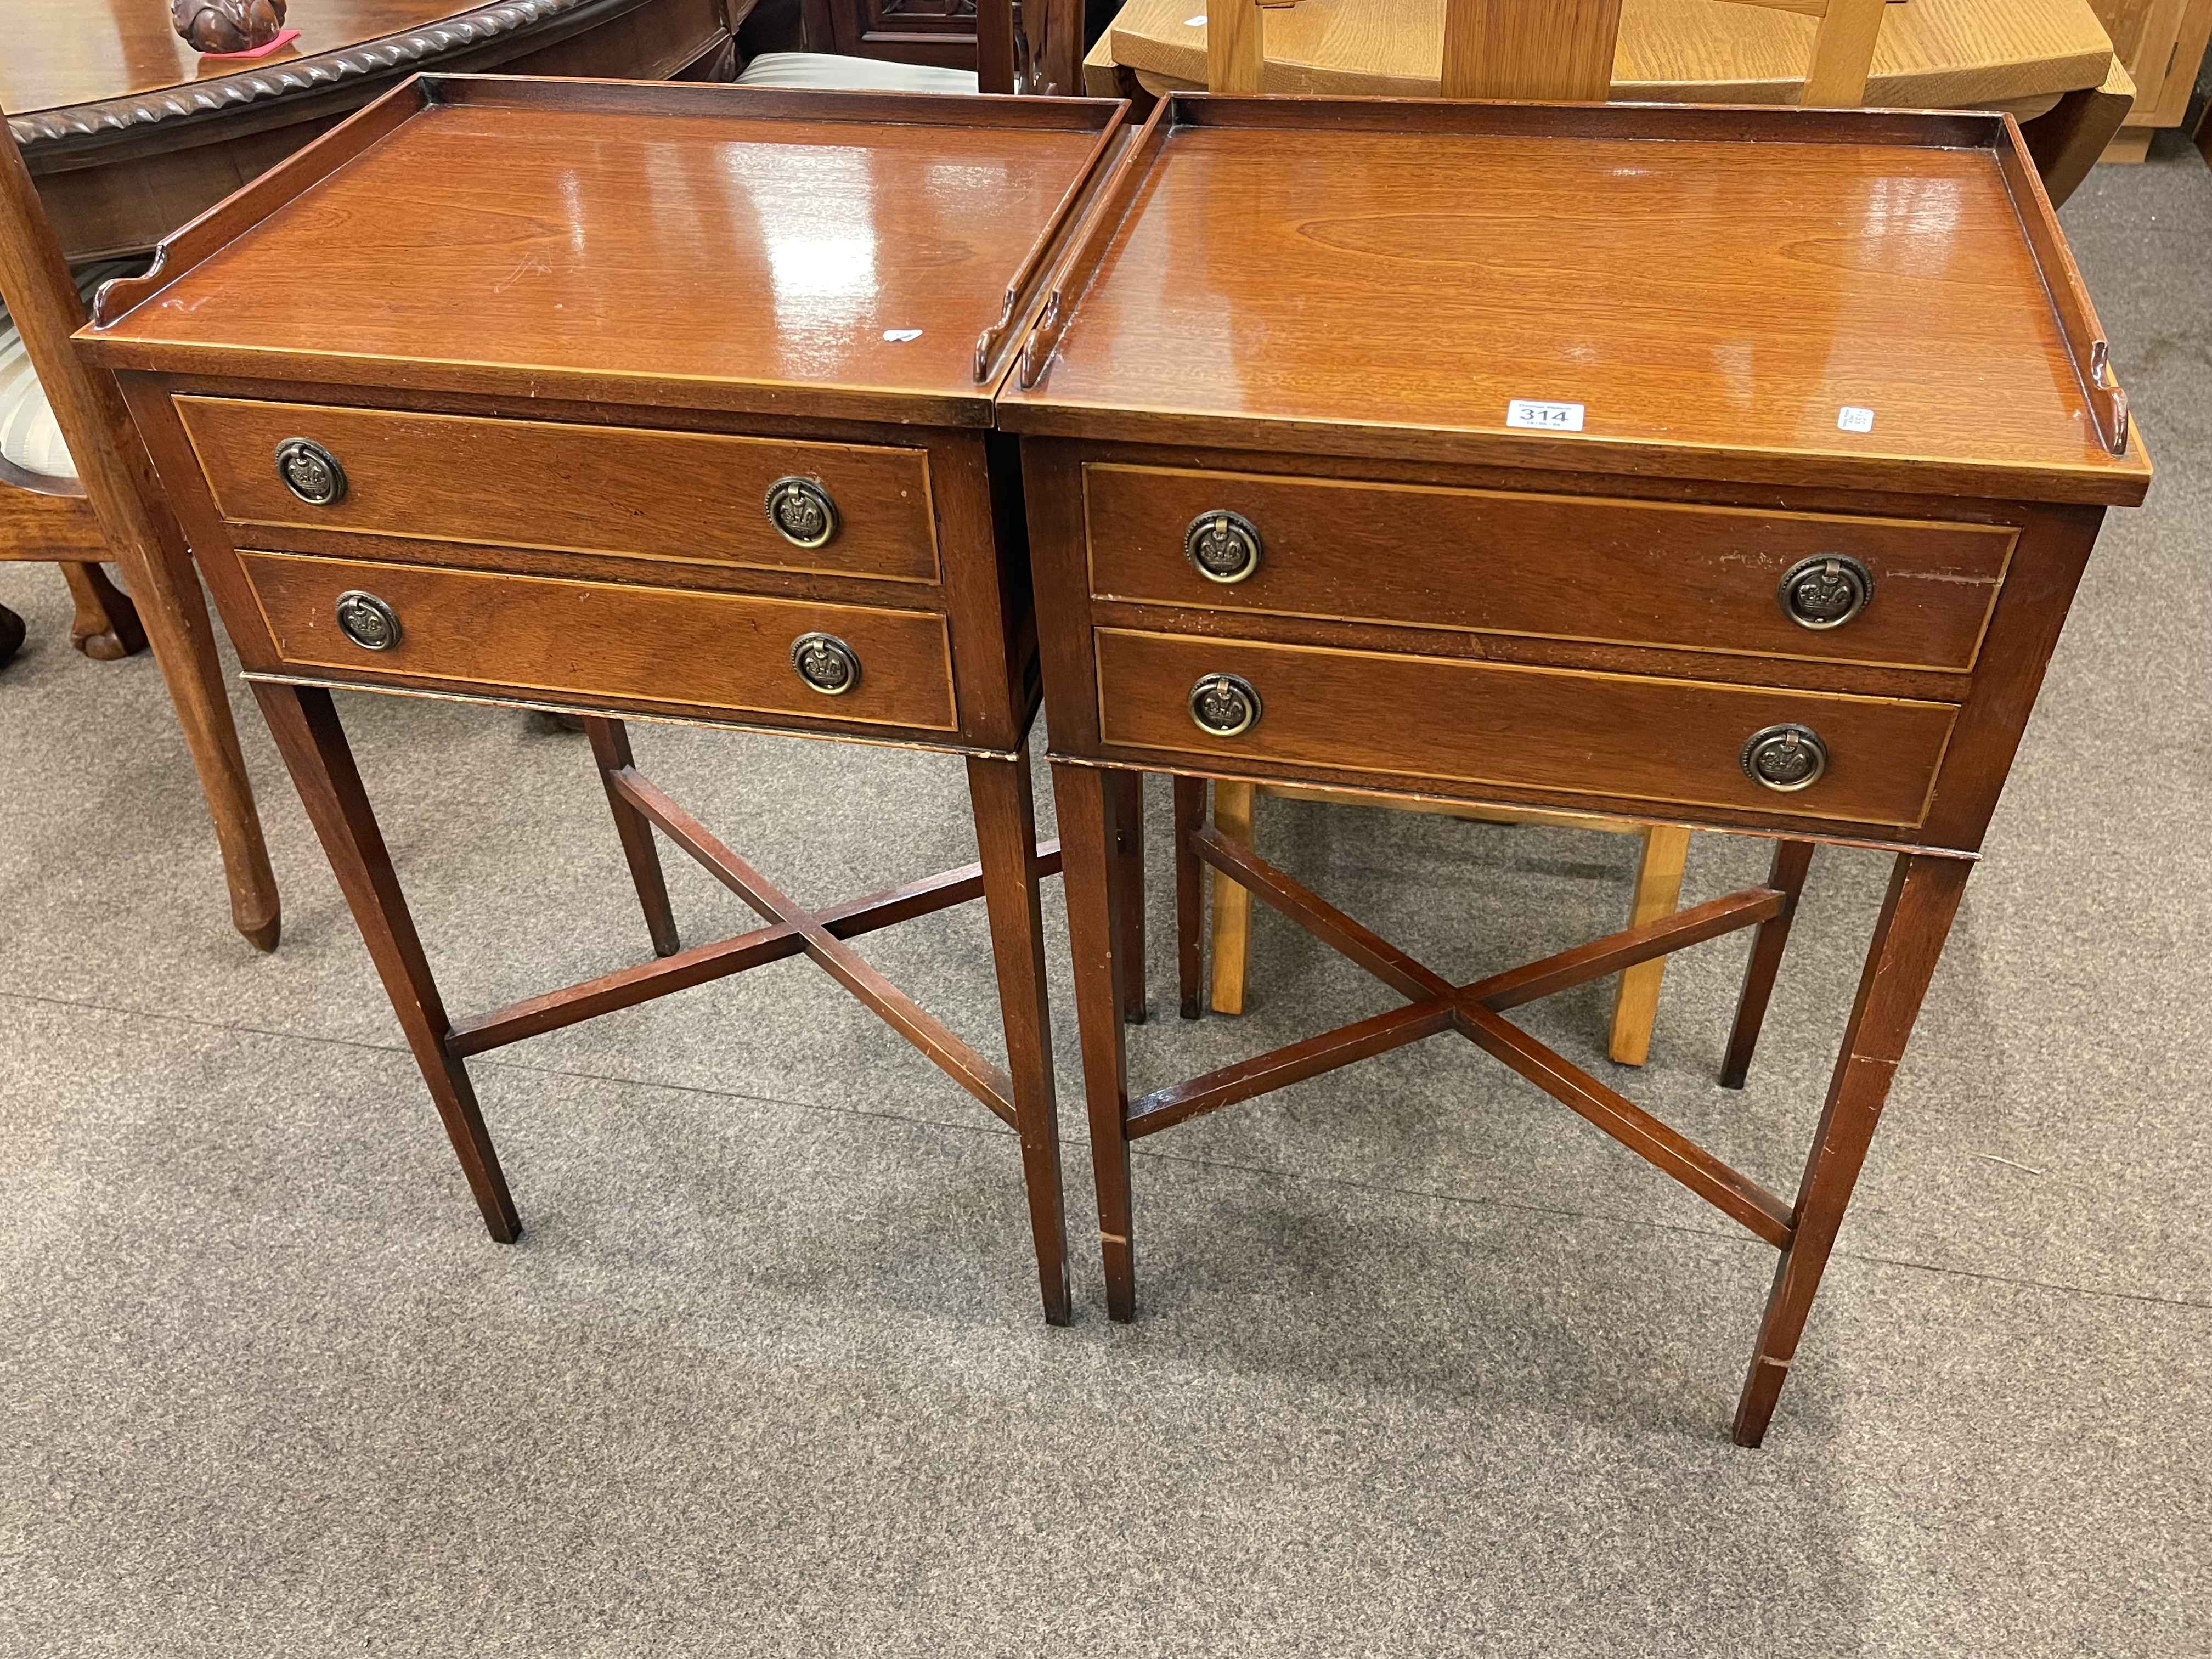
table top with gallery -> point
(1729, 468)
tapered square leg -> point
(611, 749)
(315, 751)
(1658, 889)
(1908, 938)
(1792, 859)
(1233, 804)
(1006, 839)
(1086, 850)
(1126, 793)
(1190, 902)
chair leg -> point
(1916, 919)
(1234, 806)
(1128, 789)
(11, 634)
(140, 533)
(1190, 893)
(315, 750)
(1792, 859)
(1086, 841)
(1658, 891)
(611, 749)
(173, 611)
(1005, 840)
(106, 626)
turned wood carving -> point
(227, 25)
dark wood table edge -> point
(48, 134)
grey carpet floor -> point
(1427, 1364)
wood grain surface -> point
(1391, 279)
(480, 631)
(1932, 54)
(1658, 740)
(79, 52)
(691, 497)
(1563, 566)
(697, 236)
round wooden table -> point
(2048, 62)
(130, 132)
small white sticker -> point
(1851, 418)
(901, 335)
(1197, 22)
(1543, 417)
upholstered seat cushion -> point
(28, 437)
(822, 70)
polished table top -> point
(1939, 54)
(61, 53)
(1705, 286)
(693, 235)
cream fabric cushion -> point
(821, 71)
(28, 436)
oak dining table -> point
(2049, 63)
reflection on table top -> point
(64, 52)
(723, 248)
(1695, 294)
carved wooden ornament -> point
(227, 26)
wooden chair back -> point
(1029, 46)
(137, 528)
(1552, 49)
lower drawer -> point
(1663, 741)
(604, 640)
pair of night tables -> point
(1731, 468)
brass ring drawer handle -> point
(1224, 546)
(1826, 591)
(367, 621)
(1224, 705)
(802, 512)
(826, 663)
(311, 472)
(1787, 757)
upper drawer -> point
(1631, 572)
(695, 497)
(606, 642)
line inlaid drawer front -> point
(1635, 573)
(698, 497)
(1662, 740)
(345, 618)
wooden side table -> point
(667, 401)
(1721, 467)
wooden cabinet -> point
(940, 31)
(1043, 39)
(2161, 44)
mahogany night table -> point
(631, 399)
(1730, 468)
